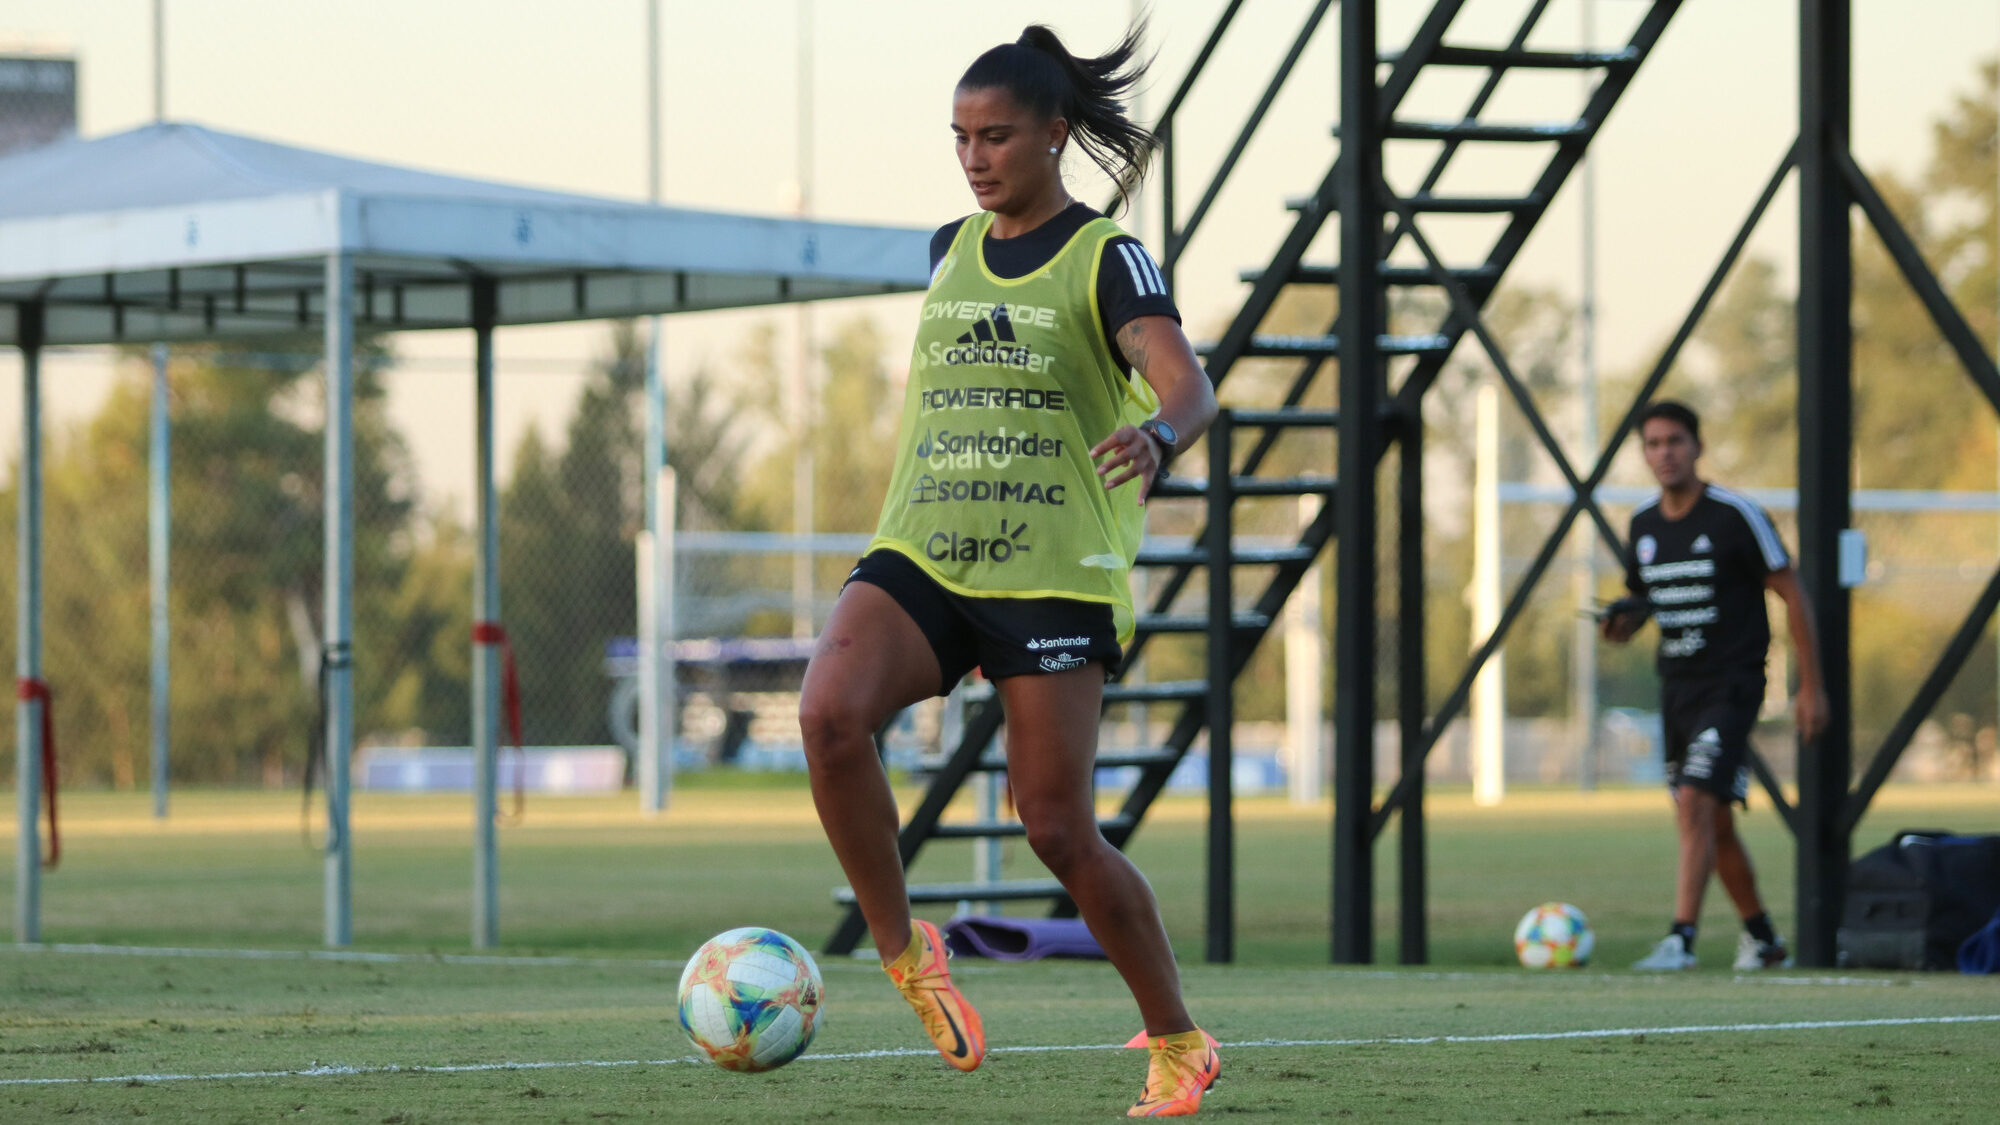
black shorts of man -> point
(1699, 562)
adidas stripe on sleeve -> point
(1146, 277)
(1769, 546)
(1130, 285)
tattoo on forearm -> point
(1132, 342)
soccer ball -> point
(1554, 935)
(750, 999)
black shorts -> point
(1707, 726)
(1001, 637)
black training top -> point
(1129, 283)
(1704, 577)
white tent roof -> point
(175, 231)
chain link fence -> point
(247, 596)
(246, 592)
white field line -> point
(339, 955)
(337, 1071)
(556, 961)
(1558, 974)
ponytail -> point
(1047, 80)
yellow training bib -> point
(1011, 384)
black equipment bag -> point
(1913, 901)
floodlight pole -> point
(656, 666)
(485, 646)
(28, 702)
(336, 662)
(1583, 642)
(1489, 690)
(803, 469)
(159, 60)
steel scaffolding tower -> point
(1375, 416)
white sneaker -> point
(1671, 955)
(1753, 955)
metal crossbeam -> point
(1949, 664)
(1461, 691)
(1965, 344)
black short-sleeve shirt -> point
(1129, 283)
(1703, 574)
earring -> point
(1053, 150)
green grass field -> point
(573, 1020)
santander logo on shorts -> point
(1040, 643)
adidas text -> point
(989, 353)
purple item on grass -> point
(1020, 939)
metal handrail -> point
(1176, 241)
(1174, 235)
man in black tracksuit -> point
(1700, 560)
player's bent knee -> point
(1061, 842)
(834, 728)
(1055, 846)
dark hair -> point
(1047, 80)
(1673, 412)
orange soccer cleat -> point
(924, 979)
(1179, 1070)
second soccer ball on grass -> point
(1554, 935)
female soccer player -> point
(1050, 386)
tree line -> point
(247, 509)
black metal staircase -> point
(1243, 438)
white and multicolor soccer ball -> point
(1554, 935)
(750, 999)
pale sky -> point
(551, 93)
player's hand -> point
(1128, 453)
(1618, 622)
(1809, 711)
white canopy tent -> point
(178, 232)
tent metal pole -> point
(656, 641)
(654, 763)
(336, 663)
(28, 634)
(159, 531)
(485, 650)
